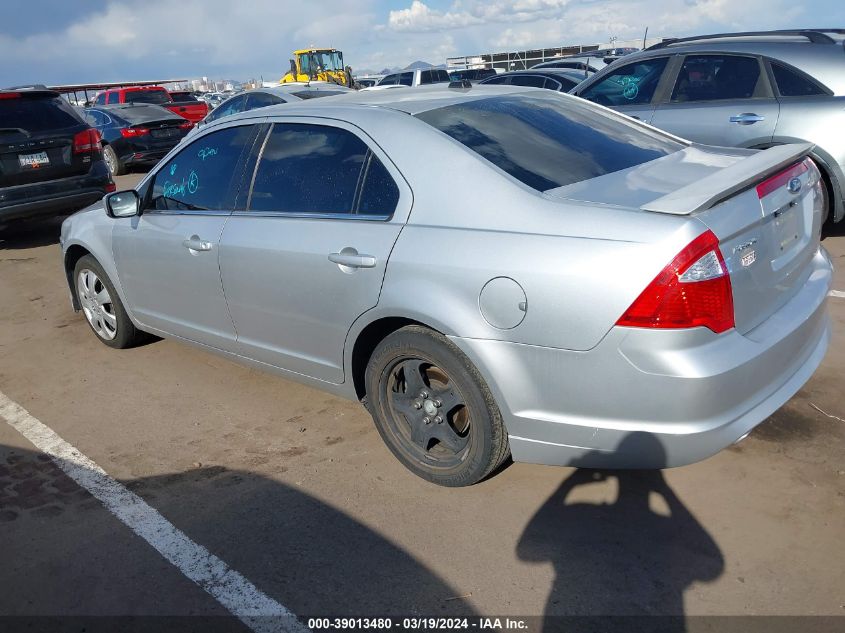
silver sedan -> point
(491, 271)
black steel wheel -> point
(433, 409)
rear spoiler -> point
(726, 182)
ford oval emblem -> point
(794, 185)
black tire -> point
(469, 440)
(116, 168)
(126, 334)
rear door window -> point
(439, 76)
(425, 77)
(232, 106)
(204, 175)
(497, 80)
(318, 169)
(261, 100)
(716, 78)
(631, 84)
(547, 143)
(531, 81)
(156, 97)
(791, 83)
(101, 99)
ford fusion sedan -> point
(610, 295)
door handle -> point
(747, 118)
(194, 243)
(350, 258)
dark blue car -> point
(136, 135)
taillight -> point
(86, 141)
(781, 179)
(186, 125)
(132, 132)
(694, 290)
(10, 95)
(111, 187)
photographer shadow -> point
(616, 562)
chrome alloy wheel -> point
(96, 304)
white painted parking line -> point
(837, 293)
(239, 596)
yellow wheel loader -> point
(318, 64)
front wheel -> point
(433, 409)
(102, 307)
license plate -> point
(34, 161)
(166, 133)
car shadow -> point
(24, 234)
(617, 561)
(830, 229)
(315, 559)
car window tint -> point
(200, 177)
(156, 97)
(389, 80)
(101, 99)
(716, 77)
(35, 113)
(439, 76)
(793, 84)
(406, 79)
(532, 81)
(548, 142)
(631, 84)
(379, 193)
(567, 84)
(308, 169)
(232, 106)
(316, 94)
(496, 80)
(425, 77)
(261, 100)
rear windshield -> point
(549, 143)
(183, 96)
(146, 96)
(36, 114)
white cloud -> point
(220, 38)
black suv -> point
(51, 160)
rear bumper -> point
(655, 398)
(55, 197)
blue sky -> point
(71, 41)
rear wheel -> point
(433, 409)
(116, 168)
(102, 307)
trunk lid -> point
(765, 207)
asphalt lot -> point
(294, 489)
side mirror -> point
(123, 204)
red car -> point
(193, 110)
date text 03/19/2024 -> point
(418, 623)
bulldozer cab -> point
(317, 64)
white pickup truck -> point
(412, 79)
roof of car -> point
(412, 101)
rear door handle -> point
(194, 243)
(351, 258)
(747, 118)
